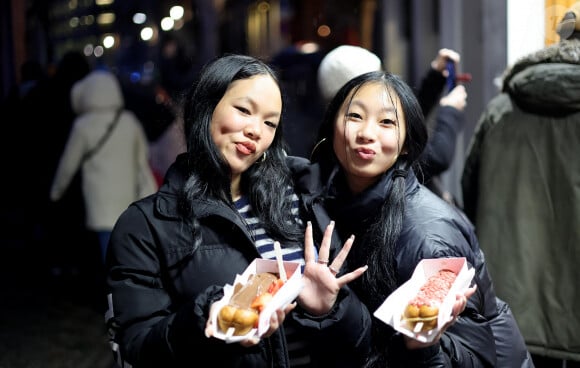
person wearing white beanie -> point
(342, 64)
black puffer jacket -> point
(485, 334)
(162, 286)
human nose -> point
(253, 129)
(365, 131)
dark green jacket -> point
(521, 188)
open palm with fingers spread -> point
(321, 284)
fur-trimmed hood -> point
(547, 80)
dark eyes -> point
(245, 111)
(353, 116)
(388, 122)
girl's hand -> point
(458, 308)
(320, 277)
(276, 321)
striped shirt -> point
(263, 242)
(297, 347)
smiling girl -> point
(371, 139)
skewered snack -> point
(242, 311)
(422, 311)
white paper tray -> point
(393, 307)
(287, 293)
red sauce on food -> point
(435, 289)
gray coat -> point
(118, 173)
(521, 188)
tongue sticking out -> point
(245, 149)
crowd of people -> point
(357, 209)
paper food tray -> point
(393, 307)
(287, 293)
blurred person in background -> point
(298, 65)
(521, 188)
(16, 104)
(108, 145)
(57, 227)
(32, 72)
(347, 61)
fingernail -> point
(309, 224)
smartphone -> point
(451, 76)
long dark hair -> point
(266, 183)
(376, 245)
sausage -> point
(243, 309)
(424, 307)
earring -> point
(263, 157)
(316, 147)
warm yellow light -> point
(263, 7)
(309, 47)
(106, 18)
(87, 20)
(323, 31)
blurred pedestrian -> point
(298, 65)
(31, 73)
(16, 104)
(521, 188)
(108, 144)
(58, 227)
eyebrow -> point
(362, 105)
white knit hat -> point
(341, 65)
